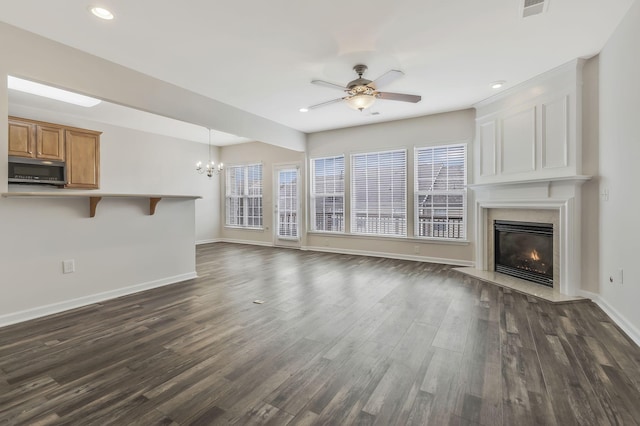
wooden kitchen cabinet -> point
(21, 138)
(78, 148)
(50, 142)
(83, 158)
(33, 139)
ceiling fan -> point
(362, 93)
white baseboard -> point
(414, 258)
(214, 240)
(616, 316)
(55, 308)
(249, 242)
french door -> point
(287, 202)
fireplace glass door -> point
(525, 250)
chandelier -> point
(210, 168)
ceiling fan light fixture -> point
(360, 101)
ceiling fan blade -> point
(329, 85)
(399, 97)
(386, 78)
(333, 101)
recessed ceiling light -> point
(497, 84)
(50, 92)
(304, 109)
(102, 13)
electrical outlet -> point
(416, 249)
(68, 266)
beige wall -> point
(436, 129)
(590, 196)
(619, 150)
(270, 156)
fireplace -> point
(524, 250)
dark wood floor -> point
(339, 340)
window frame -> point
(313, 196)
(279, 197)
(462, 192)
(244, 196)
(353, 202)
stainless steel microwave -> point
(30, 170)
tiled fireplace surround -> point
(555, 201)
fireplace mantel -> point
(544, 181)
(561, 194)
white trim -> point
(455, 262)
(58, 307)
(463, 192)
(616, 316)
(209, 241)
(570, 179)
(569, 270)
(245, 228)
(249, 242)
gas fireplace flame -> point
(534, 255)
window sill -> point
(243, 228)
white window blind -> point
(379, 193)
(244, 196)
(327, 194)
(288, 204)
(441, 191)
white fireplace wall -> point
(561, 197)
(532, 131)
(528, 155)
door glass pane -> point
(288, 203)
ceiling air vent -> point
(533, 7)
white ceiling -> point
(21, 103)
(261, 56)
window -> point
(441, 191)
(288, 204)
(244, 196)
(379, 193)
(327, 194)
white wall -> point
(122, 249)
(452, 127)
(133, 161)
(532, 130)
(619, 153)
